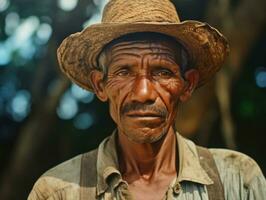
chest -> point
(149, 192)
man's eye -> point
(163, 73)
(122, 72)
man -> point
(145, 62)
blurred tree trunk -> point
(26, 159)
(241, 24)
(33, 136)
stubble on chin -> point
(145, 136)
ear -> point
(192, 79)
(96, 78)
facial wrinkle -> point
(141, 51)
(170, 50)
(114, 81)
(120, 57)
(122, 60)
(161, 58)
(163, 53)
(138, 45)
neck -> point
(147, 161)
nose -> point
(143, 90)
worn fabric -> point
(215, 190)
(241, 176)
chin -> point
(145, 135)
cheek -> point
(172, 89)
(117, 90)
(174, 86)
(118, 84)
(170, 93)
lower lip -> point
(143, 117)
(145, 121)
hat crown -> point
(134, 11)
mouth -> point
(144, 114)
(145, 119)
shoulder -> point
(63, 177)
(235, 164)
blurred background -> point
(45, 119)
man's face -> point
(143, 85)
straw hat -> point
(78, 53)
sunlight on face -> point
(143, 86)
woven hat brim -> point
(78, 53)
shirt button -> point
(177, 188)
(123, 185)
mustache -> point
(135, 106)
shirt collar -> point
(189, 164)
(107, 164)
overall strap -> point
(88, 175)
(215, 190)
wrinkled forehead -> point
(146, 42)
(156, 43)
(144, 47)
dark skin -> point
(144, 86)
